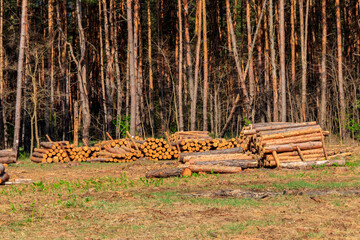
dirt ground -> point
(116, 201)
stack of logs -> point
(118, 150)
(116, 154)
(200, 141)
(81, 154)
(51, 152)
(159, 149)
(281, 142)
(7, 156)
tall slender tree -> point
(20, 69)
(206, 71)
(323, 65)
(273, 63)
(282, 60)
(131, 68)
(340, 70)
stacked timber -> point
(81, 154)
(282, 142)
(7, 156)
(116, 154)
(51, 152)
(159, 149)
(4, 176)
(202, 145)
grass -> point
(104, 201)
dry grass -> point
(114, 201)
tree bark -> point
(206, 63)
(180, 92)
(131, 69)
(20, 69)
(82, 78)
(303, 39)
(282, 60)
(151, 78)
(323, 66)
(251, 66)
(2, 80)
(197, 63)
(340, 71)
(273, 63)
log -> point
(217, 157)
(295, 139)
(247, 163)
(304, 152)
(40, 150)
(296, 165)
(2, 169)
(291, 132)
(4, 177)
(38, 155)
(98, 160)
(7, 160)
(300, 153)
(36, 159)
(7, 153)
(214, 169)
(274, 153)
(51, 144)
(165, 173)
(295, 158)
(282, 126)
(212, 152)
(292, 147)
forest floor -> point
(115, 201)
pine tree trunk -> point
(206, 73)
(102, 69)
(273, 63)
(282, 60)
(51, 62)
(2, 80)
(20, 69)
(109, 69)
(251, 66)
(131, 69)
(197, 63)
(323, 66)
(151, 78)
(340, 70)
(180, 92)
(82, 78)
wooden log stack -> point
(283, 142)
(51, 152)
(116, 154)
(7, 156)
(82, 154)
(159, 149)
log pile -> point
(81, 154)
(4, 176)
(283, 142)
(159, 149)
(51, 152)
(7, 156)
(116, 154)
